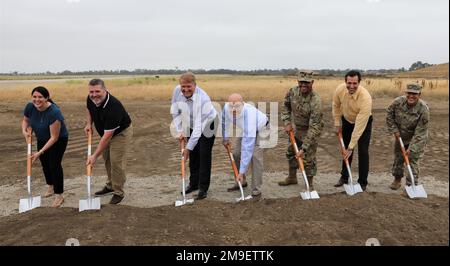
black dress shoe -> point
(201, 195)
(105, 191)
(116, 199)
(341, 182)
(189, 189)
(363, 187)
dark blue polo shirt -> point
(40, 121)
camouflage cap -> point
(413, 87)
(305, 76)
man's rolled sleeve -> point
(361, 121)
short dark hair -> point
(42, 90)
(95, 82)
(353, 73)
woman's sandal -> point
(49, 192)
(58, 202)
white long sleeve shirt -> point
(197, 109)
(250, 121)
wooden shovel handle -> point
(29, 145)
(89, 167)
(182, 144)
(402, 147)
(89, 137)
(294, 145)
(183, 162)
(89, 170)
(233, 163)
(341, 147)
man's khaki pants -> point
(115, 159)
(256, 163)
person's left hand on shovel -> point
(300, 154)
(186, 154)
(91, 160)
(35, 156)
(240, 178)
(347, 153)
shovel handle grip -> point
(233, 163)
(29, 145)
(89, 170)
(294, 144)
(29, 135)
(183, 161)
(182, 144)
(89, 167)
(89, 133)
(402, 147)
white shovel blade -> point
(179, 203)
(309, 195)
(24, 204)
(244, 198)
(89, 204)
(190, 201)
(416, 191)
(351, 189)
(182, 202)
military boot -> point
(291, 179)
(310, 182)
(396, 184)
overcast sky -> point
(57, 35)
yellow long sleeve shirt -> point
(356, 109)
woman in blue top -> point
(47, 122)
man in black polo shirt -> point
(113, 124)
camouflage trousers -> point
(398, 168)
(309, 159)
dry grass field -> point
(255, 88)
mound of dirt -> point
(335, 219)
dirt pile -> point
(335, 219)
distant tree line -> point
(176, 71)
(282, 72)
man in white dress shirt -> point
(195, 118)
(249, 122)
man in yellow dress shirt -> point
(352, 113)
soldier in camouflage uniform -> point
(408, 117)
(303, 113)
